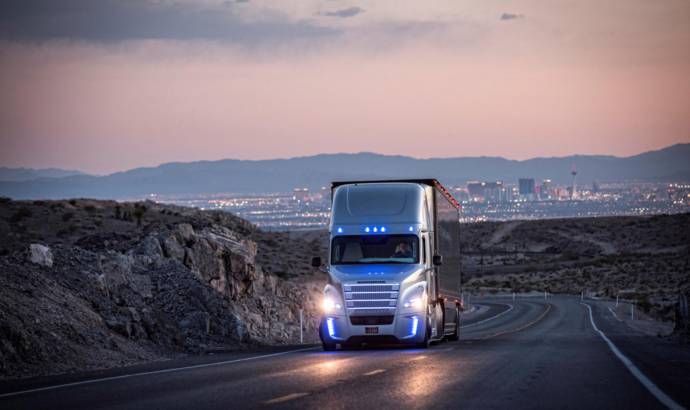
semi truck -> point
(393, 264)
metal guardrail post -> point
(301, 326)
(632, 311)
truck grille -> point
(371, 296)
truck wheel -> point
(328, 347)
(456, 334)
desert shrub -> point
(73, 202)
(139, 211)
(90, 208)
(4, 200)
(67, 216)
(645, 304)
(21, 213)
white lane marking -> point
(646, 382)
(491, 318)
(615, 315)
(176, 369)
(287, 397)
(373, 372)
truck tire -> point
(456, 334)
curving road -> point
(530, 353)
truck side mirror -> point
(316, 261)
(438, 260)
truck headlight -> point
(329, 304)
(414, 303)
(332, 302)
(413, 299)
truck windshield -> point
(368, 249)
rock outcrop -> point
(124, 293)
(40, 255)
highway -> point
(527, 353)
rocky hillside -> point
(87, 284)
(645, 258)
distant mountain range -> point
(27, 174)
(282, 175)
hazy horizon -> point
(328, 153)
(103, 86)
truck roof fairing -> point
(425, 181)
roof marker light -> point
(410, 228)
(340, 230)
(383, 229)
(366, 229)
(376, 229)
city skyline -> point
(106, 86)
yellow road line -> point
(287, 397)
(523, 327)
(373, 372)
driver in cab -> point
(403, 250)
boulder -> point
(40, 254)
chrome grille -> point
(370, 303)
(371, 288)
(371, 296)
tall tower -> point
(573, 191)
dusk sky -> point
(103, 86)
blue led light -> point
(410, 228)
(383, 229)
(366, 229)
(415, 323)
(340, 230)
(331, 327)
(376, 229)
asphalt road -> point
(530, 353)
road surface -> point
(529, 353)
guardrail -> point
(635, 310)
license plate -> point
(371, 330)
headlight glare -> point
(329, 304)
(414, 303)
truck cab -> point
(393, 264)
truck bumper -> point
(405, 329)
